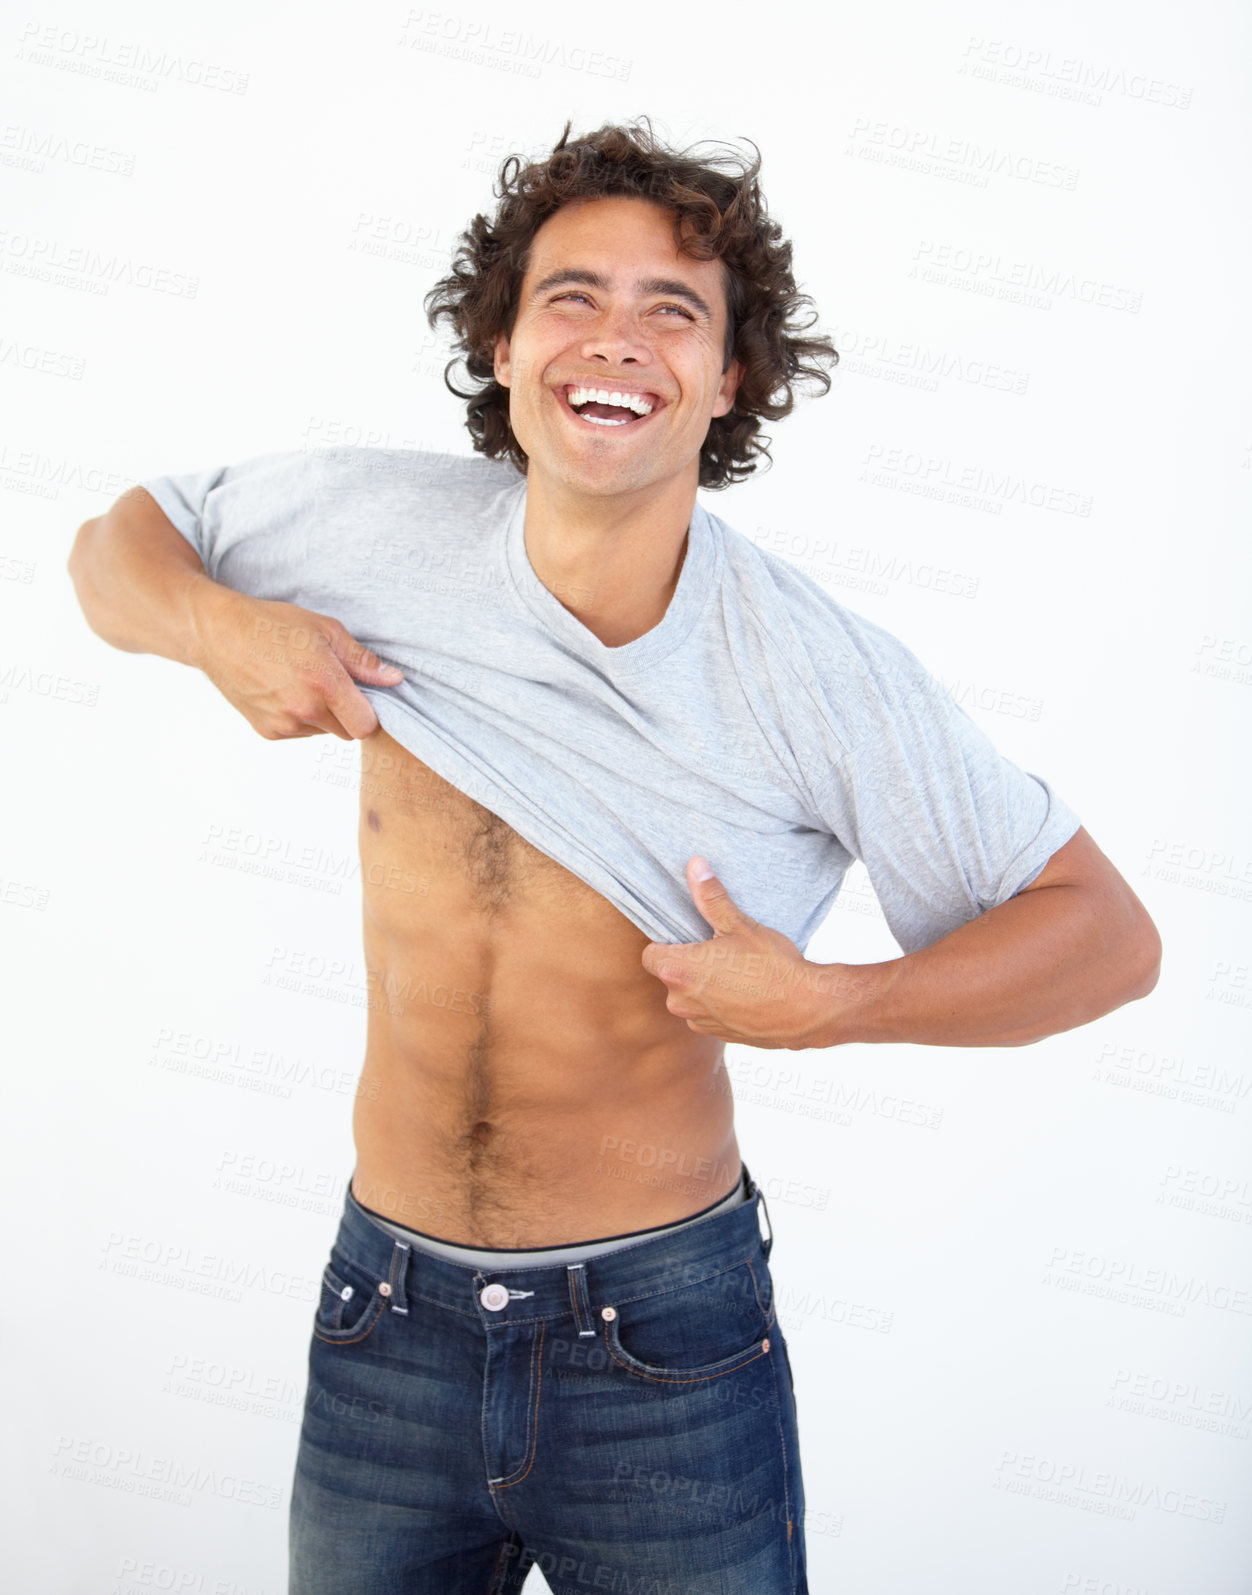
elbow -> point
(80, 565)
(77, 547)
(1146, 963)
(1139, 961)
(1126, 962)
(1121, 964)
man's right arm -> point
(139, 580)
(288, 670)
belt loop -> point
(580, 1302)
(767, 1243)
(398, 1278)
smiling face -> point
(614, 364)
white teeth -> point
(625, 401)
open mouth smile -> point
(609, 407)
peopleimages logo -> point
(1100, 1489)
(185, 1267)
(920, 365)
(121, 61)
(81, 266)
(1067, 77)
(119, 1468)
(935, 475)
(959, 159)
(482, 43)
(986, 272)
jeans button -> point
(493, 1297)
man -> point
(605, 803)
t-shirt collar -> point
(700, 567)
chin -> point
(600, 478)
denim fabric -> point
(626, 1423)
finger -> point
(354, 712)
(313, 724)
(322, 717)
(654, 957)
(346, 704)
(362, 662)
(324, 725)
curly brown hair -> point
(719, 212)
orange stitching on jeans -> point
(757, 1292)
(777, 1370)
(534, 1422)
(330, 1341)
(695, 1379)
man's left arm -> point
(1071, 946)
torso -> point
(524, 1083)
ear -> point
(728, 387)
(501, 359)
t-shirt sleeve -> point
(244, 519)
(183, 499)
(946, 825)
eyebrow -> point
(643, 285)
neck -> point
(613, 561)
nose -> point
(616, 338)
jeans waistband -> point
(528, 1293)
(535, 1256)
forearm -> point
(138, 581)
(1045, 961)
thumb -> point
(711, 897)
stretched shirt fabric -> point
(760, 723)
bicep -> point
(1079, 862)
(1127, 930)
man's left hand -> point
(748, 983)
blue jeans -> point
(627, 1423)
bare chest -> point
(450, 848)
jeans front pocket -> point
(350, 1303)
(690, 1331)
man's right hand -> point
(289, 671)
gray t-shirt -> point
(760, 723)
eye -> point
(572, 294)
(678, 310)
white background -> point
(1015, 1283)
